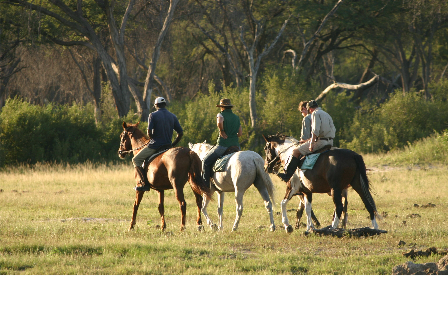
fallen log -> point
(340, 232)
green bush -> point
(398, 122)
(54, 133)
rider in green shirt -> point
(229, 131)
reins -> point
(133, 149)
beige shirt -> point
(322, 124)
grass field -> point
(74, 220)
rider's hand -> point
(222, 134)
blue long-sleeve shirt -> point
(161, 124)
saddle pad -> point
(310, 160)
(152, 157)
(221, 164)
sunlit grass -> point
(74, 220)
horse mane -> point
(137, 133)
(280, 138)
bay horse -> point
(334, 171)
(244, 168)
(169, 170)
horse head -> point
(272, 161)
(125, 139)
(201, 149)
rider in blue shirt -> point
(161, 124)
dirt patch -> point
(359, 232)
(409, 268)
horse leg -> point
(344, 211)
(239, 208)
(162, 208)
(337, 200)
(308, 209)
(220, 209)
(138, 199)
(205, 202)
(267, 203)
(291, 190)
(199, 206)
(179, 193)
(300, 210)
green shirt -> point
(231, 127)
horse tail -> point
(195, 176)
(365, 183)
(261, 173)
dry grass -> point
(74, 220)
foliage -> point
(54, 133)
(398, 122)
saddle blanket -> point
(221, 164)
(310, 160)
(152, 157)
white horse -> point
(243, 169)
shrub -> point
(54, 133)
(397, 123)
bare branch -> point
(347, 87)
(125, 19)
(307, 45)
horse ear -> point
(124, 125)
(190, 145)
(264, 138)
(205, 141)
(137, 124)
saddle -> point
(221, 163)
(160, 150)
(319, 151)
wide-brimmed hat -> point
(224, 103)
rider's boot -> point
(290, 169)
(144, 184)
(206, 175)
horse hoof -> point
(289, 229)
(272, 229)
(234, 229)
(200, 228)
(214, 227)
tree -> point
(81, 19)
(255, 61)
(12, 35)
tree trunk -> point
(254, 65)
(97, 89)
(155, 57)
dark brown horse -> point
(334, 171)
(169, 170)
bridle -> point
(122, 144)
(273, 162)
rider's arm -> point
(220, 124)
(313, 140)
(178, 137)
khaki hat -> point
(224, 103)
